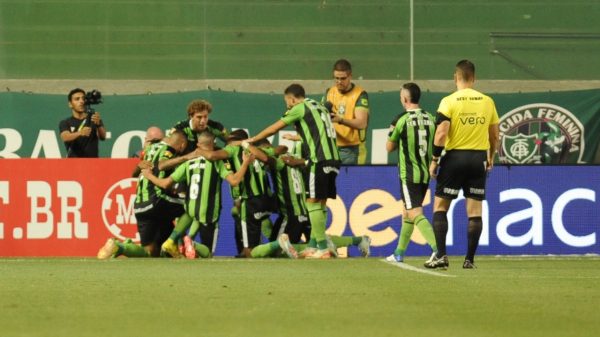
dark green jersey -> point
(147, 192)
(214, 127)
(289, 187)
(204, 179)
(255, 182)
(313, 124)
(414, 132)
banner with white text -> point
(69, 207)
(536, 128)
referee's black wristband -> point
(437, 150)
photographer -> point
(81, 131)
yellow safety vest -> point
(343, 104)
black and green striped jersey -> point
(289, 187)
(147, 192)
(414, 132)
(313, 124)
(255, 182)
(204, 179)
(214, 127)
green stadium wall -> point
(565, 121)
(254, 39)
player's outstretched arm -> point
(257, 152)
(210, 155)
(167, 164)
(269, 131)
(292, 136)
(163, 183)
(234, 179)
(293, 161)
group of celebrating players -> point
(180, 176)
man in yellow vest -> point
(349, 107)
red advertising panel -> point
(64, 207)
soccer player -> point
(313, 123)
(294, 162)
(153, 135)
(198, 111)
(349, 104)
(288, 184)
(412, 136)
(154, 208)
(467, 128)
(257, 202)
(203, 198)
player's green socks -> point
(426, 230)
(183, 223)
(130, 249)
(404, 239)
(265, 250)
(266, 227)
(194, 229)
(345, 241)
(317, 221)
(202, 250)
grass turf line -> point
(278, 297)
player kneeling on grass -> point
(155, 208)
(412, 135)
(288, 178)
(203, 199)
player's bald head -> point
(206, 138)
(177, 138)
(154, 134)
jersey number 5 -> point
(422, 143)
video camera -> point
(91, 98)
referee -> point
(467, 128)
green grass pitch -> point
(279, 297)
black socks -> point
(440, 229)
(473, 234)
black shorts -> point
(292, 225)
(462, 169)
(413, 194)
(208, 235)
(319, 180)
(155, 224)
(254, 211)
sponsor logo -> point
(451, 191)
(477, 190)
(541, 133)
(117, 210)
(261, 215)
(341, 108)
(329, 169)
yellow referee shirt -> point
(470, 113)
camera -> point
(93, 97)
